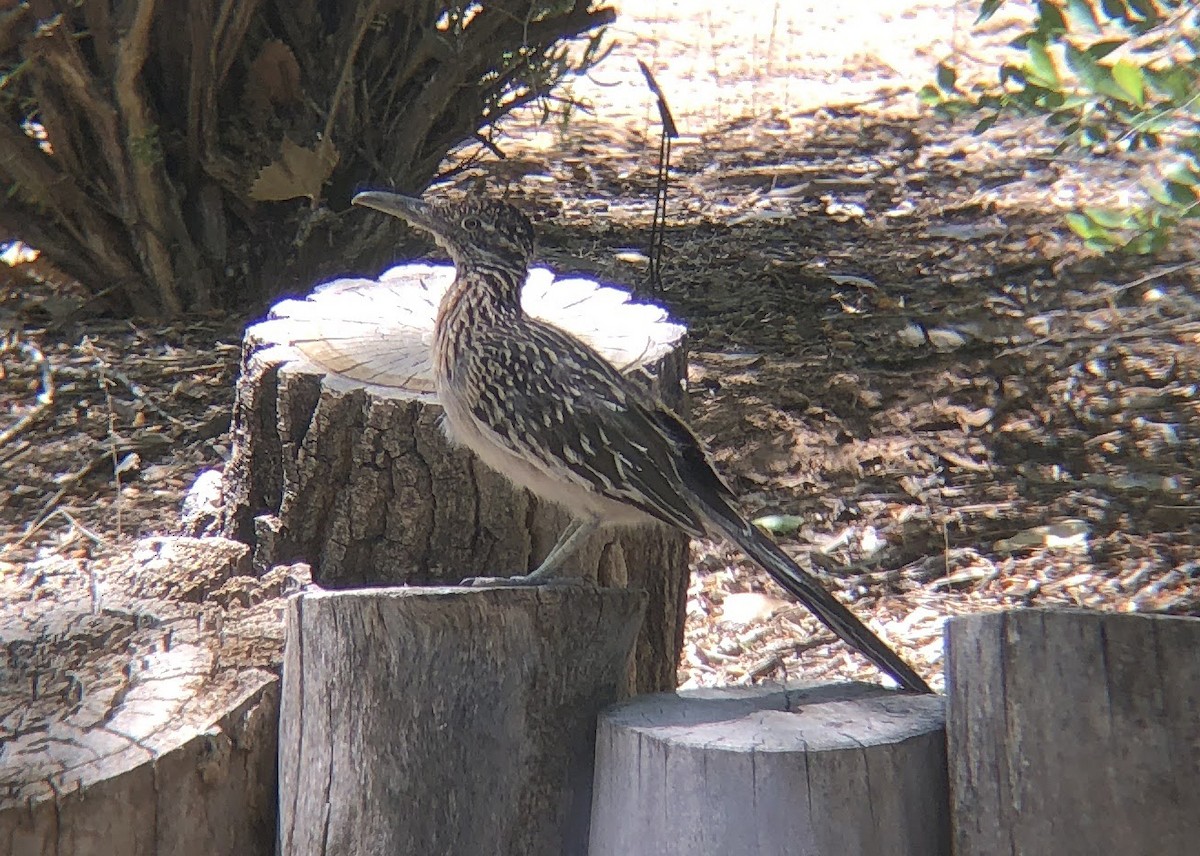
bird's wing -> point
(549, 399)
(564, 406)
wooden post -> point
(1074, 733)
(827, 770)
(139, 703)
(447, 720)
(339, 459)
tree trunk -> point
(139, 709)
(447, 720)
(339, 460)
(1074, 733)
(821, 771)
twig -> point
(90, 350)
(65, 485)
(1150, 277)
(658, 226)
(137, 391)
(45, 398)
(62, 512)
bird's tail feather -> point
(806, 589)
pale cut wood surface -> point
(139, 706)
(338, 458)
(447, 721)
(1074, 733)
(825, 770)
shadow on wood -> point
(1074, 733)
(447, 720)
(828, 770)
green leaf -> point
(1146, 10)
(1102, 243)
(930, 95)
(1146, 243)
(1093, 134)
(1040, 66)
(985, 123)
(1157, 125)
(1061, 117)
(1083, 16)
(1102, 49)
(1182, 173)
(1129, 77)
(946, 77)
(1159, 194)
(1179, 194)
(1114, 9)
(1094, 76)
(1050, 20)
(1081, 225)
(1174, 83)
(1107, 218)
(1079, 62)
(1053, 100)
(986, 9)
(780, 524)
(1022, 41)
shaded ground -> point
(895, 342)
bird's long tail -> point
(806, 589)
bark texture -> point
(821, 771)
(1074, 733)
(449, 721)
(139, 707)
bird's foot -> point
(521, 580)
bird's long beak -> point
(415, 211)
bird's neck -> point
(480, 296)
(477, 301)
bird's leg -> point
(568, 543)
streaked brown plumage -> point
(552, 415)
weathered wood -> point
(827, 770)
(1074, 733)
(139, 709)
(339, 460)
(447, 720)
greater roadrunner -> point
(555, 417)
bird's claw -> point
(523, 580)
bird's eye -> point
(471, 223)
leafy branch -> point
(1107, 76)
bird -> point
(550, 413)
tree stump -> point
(447, 720)
(1074, 733)
(338, 459)
(138, 705)
(826, 770)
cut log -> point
(1074, 733)
(821, 771)
(139, 709)
(453, 721)
(338, 459)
